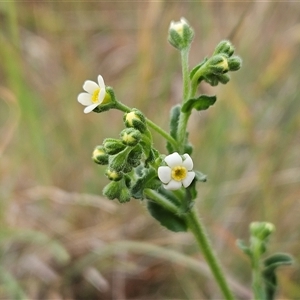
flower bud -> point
(218, 64)
(224, 47)
(124, 195)
(112, 190)
(136, 120)
(134, 157)
(130, 136)
(113, 146)
(180, 34)
(99, 156)
(113, 175)
(118, 161)
(234, 63)
(261, 230)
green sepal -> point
(201, 103)
(112, 190)
(130, 136)
(234, 63)
(269, 273)
(148, 179)
(224, 47)
(113, 146)
(174, 119)
(241, 244)
(166, 218)
(135, 156)
(118, 161)
(109, 105)
(117, 190)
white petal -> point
(173, 185)
(84, 99)
(188, 179)
(89, 108)
(164, 174)
(101, 95)
(101, 82)
(188, 162)
(90, 86)
(173, 160)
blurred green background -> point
(60, 239)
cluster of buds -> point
(124, 154)
(215, 69)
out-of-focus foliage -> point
(58, 234)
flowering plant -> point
(167, 183)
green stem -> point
(200, 235)
(151, 124)
(161, 200)
(257, 281)
(184, 117)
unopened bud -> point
(180, 34)
(113, 175)
(234, 63)
(112, 190)
(261, 230)
(99, 156)
(113, 146)
(218, 64)
(130, 136)
(136, 120)
(224, 47)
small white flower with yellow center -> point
(95, 94)
(178, 171)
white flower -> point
(178, 172)
(94, 96)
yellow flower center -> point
(95, 96)
(179, 173)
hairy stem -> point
(201, 237)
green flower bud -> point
(234, 63)
(113, 175)
(99, 156)
(135, 156)
(136, 120)
(118, 161)
(130, 136)
(181, 34)
(124, 195)
(224, 47)
(127, 168)
(113, 146)
(218, 64)
(224, 78)
(261, 230)
(112, 190)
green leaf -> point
(166, 218)
(271, 264)
(200, 176)
(201, 103)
